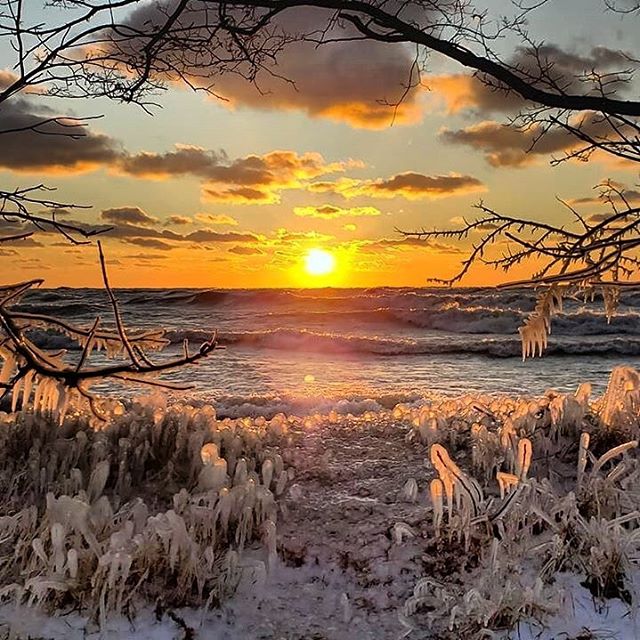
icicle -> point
(72, 563)
(523, 459)
(240, 475)
(209, 453)
(213, 476)
(582, 456)
(436, 489)
(38, 382)
(410, 490)
(583, 394)
(402, 531)
(98, 480)
(271, 542)
(611, 298)
(267, 472)
(506, 481)
(15, 394)
(38, 548)
(54, 395)
(57, 544)
(281, 483)
(8, 367)
(28, 386)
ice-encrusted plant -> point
(157, 506)
(533, 487)
(47, 381)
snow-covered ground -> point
(342, 572)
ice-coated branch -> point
(588, 255)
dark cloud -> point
(632, 196)
(246, 251)
(206, 236)
(146, 256)
(252, 179)
(128, 215)
(178, 220)
(354, 81)
(409, 185)
(131, 232)
(413, 185)
(506, 146)
(219, 218)
(566, 69)
(49, 151)
(150, 243)
(330, 212)
(374, 246)
(23, 243)
(240, 195)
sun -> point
(319, 262)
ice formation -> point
(556, 493)
(158, 504)
(166, 502)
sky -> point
(234, 192)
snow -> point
(354, 536)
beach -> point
(353, 535)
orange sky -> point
(210, 193)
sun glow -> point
(319, 262)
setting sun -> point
(319, 262)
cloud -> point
(178, 220)
(341, 186)
(221, 218)
(406, 243)
(350, 227)
(240, 195)
(246, 251)
(409, 185)
(506, 146)
(355, 81)
(7, 78)
(128, 215)
(462, 92)
(23, 243)
(632, 196)
(252, 179)
(597, 218)
(329, 212)
(146, 256)
(128, 232)
(48, 149)
(415, 186)
(206, 236)
(149, 243)
(568, 69)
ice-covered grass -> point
(466, 517)
(548, 487)
(156, 507)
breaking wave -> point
(303, 340)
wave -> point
(306, 341)
(476, 320)
(302, 340)
(356, 299)
(239, 406)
